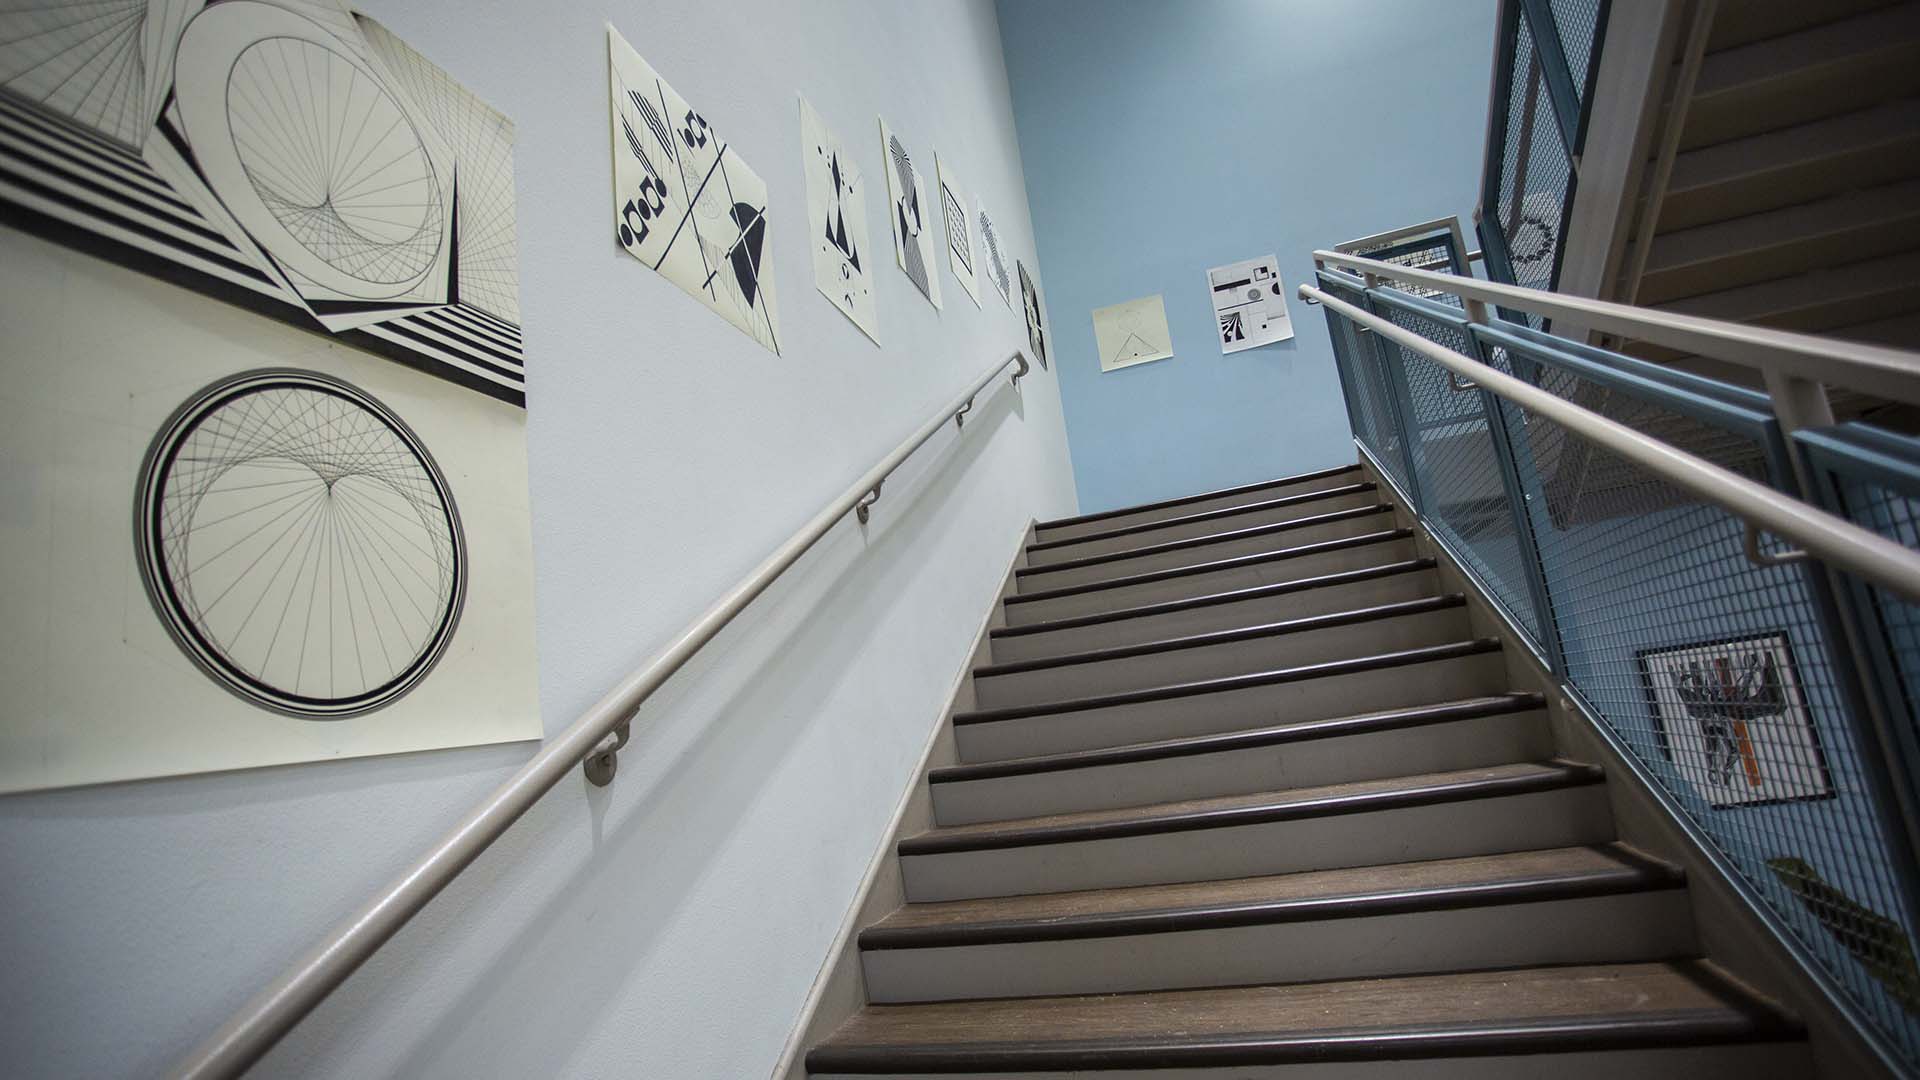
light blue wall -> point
(1160, 139)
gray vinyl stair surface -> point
(1239, 798)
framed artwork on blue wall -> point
(1732, 715)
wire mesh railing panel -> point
(1463, 487)
(1579, 24)
(1722, 678)
(1374, 422)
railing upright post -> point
(1522, 486)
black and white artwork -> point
(1249, 304)
(915, 221)
(956, 207)
(837, 222)
(993, 257)
(1035, 308)
(1132, 332)
(288, 156)
(684, 203)
(314, 496)
(1733, 716)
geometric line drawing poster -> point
(684, 203)
(1035, 308)
(1133, 332)
(277, 514)
(1249, 304)
(195, 142)
(913, 225)
(993, 257)
(962, 252)
(1732, 715)
(837, 222)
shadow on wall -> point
(690, 775)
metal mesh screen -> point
(1731, 683)
(1374, 422)
(1719, 676)
(1462, 483)
(1579, 24)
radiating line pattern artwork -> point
(913, 228)
(995, 263)
(287, 156)
(300, 543)
(684, 203)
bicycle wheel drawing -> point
(300, 543)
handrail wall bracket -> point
(605, 759)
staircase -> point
(1246, 792)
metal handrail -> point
(1874, 369)
(1840, 543)
(594, 737)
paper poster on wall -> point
(1249, 304)
(207, 145)
(684, 203)
(329, 553)
(1733, 716)
(914, 226)
(1035, 308)
(837, 222)
(993, 256)
(1134, 332)
(963, 256)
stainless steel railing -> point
(593, 741)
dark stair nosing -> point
(1324, 669)
(1154, 821)
(1638, 872)
(1211, 538)
(1744, 1022)
(1234, 596)
(1220, 493)
(1304, 624)
(1209, 515)
(1384, 536)
(1278, 735)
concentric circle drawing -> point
(344, 172)
(300, 543)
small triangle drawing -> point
(1134, 346)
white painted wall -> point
(668, 926)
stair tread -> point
(1209, 515)
(1259, 807)
(1304, 624)
(1300, 551)
(1202, 541)
(1784, 226)
(1221, 493)
(1297, 731)
(1594, 1005)
(1322, 669)
(1773, 299)
(1789, 147)
(1513, 877)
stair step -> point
(1805, 75)
(1066, 528)
(1511, 807)
(1781, 243)
(1388, 583)
(1439, 737)
(1459, 669)
(1604, 903)
(1203, 578)
(1251, 540)
(1741, 22)
(1818, 301)
(1385, 628)
(1200, 523)
(1793, 165)
(1495, 1020)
